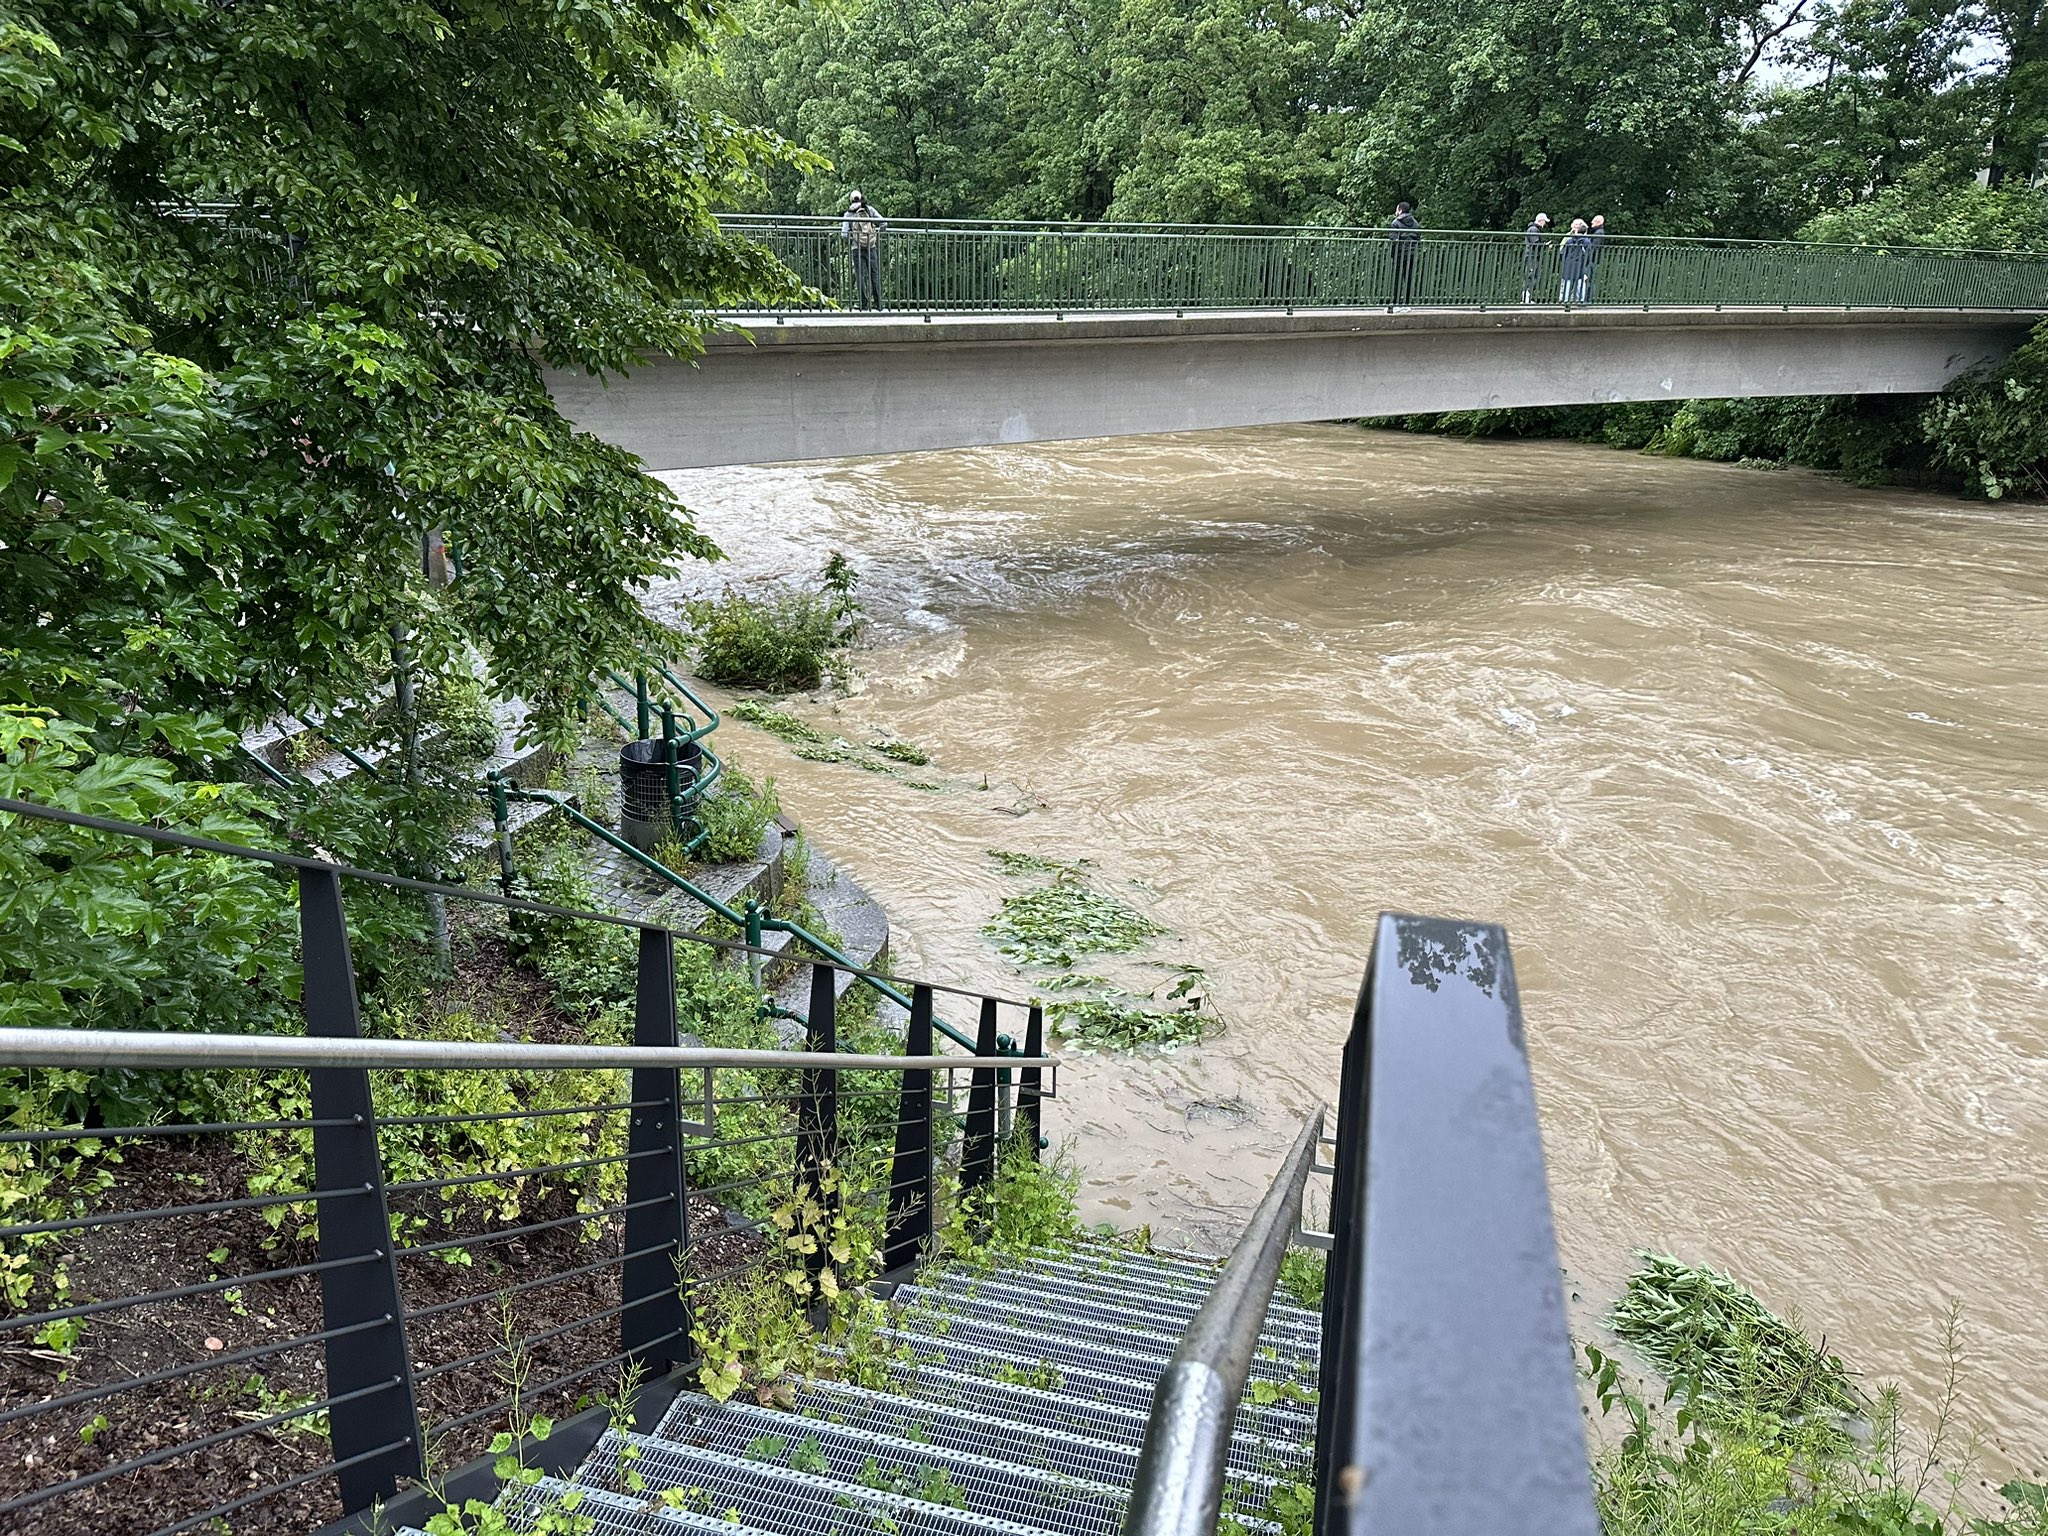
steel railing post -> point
(640, 701)
(501, 828)
(382, 1425)
(817, 1109)
(910, 1171)
(1341, 1273)
(978, 1146)
(654, 1328)
(1030, 1084)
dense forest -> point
(1730, 118)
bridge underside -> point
(837, 386)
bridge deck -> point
(837, 385)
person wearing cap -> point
(1532, 255)
(862, 229)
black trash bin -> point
(643, 788)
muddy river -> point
(1753, 766)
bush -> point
(734, 818)
(786, 641)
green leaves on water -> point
(1054, 923)
(776, 722)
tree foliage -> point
(278, 284)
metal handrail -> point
(100, 1049)
(1162, 229)
(1178, 1487)
(963, 266)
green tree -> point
(1485, 115)
(278, 287)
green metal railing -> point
(964, 266)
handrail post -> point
(654, 1328)
(383, 1424)
(640, 701)
(501, 828)
(978, 1144)
(817, 1109)
(910, 1171)
(674, 771)
(1444, 1265)
(1030, 1084)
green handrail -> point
(750, 920)
(988, 266)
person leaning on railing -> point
(1404, 235)
(862, 229)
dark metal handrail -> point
(1178, 1488)
(1448, 1401)
(374, 1365)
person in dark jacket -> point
(1573, 256)
(1404, 235)
(1596, 238)
(1532, 255)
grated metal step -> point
(613, 1514)
(1020, 1365)
(781, 1498)
(1119, 1352)
(1049, 1436)
(1282, 1313)
(1023, 1303)
(866, 1455)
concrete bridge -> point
(1033, 333)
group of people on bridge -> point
(1578, 256)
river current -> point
(1753, 766)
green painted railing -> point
(965, 266)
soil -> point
(226, 1396)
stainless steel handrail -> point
(101, 1048)
(1178, 1489)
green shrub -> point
(735, 818)
(787, 640)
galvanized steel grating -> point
(1159, 1335)
(1006, 1403)
(875, 1459)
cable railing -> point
(968, 266)
(407, 1269)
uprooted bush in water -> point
(783, 639)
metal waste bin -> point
(644, 818)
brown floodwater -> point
(1753, 767)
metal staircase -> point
(957, 1443)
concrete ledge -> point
(1037, 328)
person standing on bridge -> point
(1532, 256)
(1573, 256)
(1404, 235)
(862, 229)
(1596, 239)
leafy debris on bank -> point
(776, 722)
(1697, 1324)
